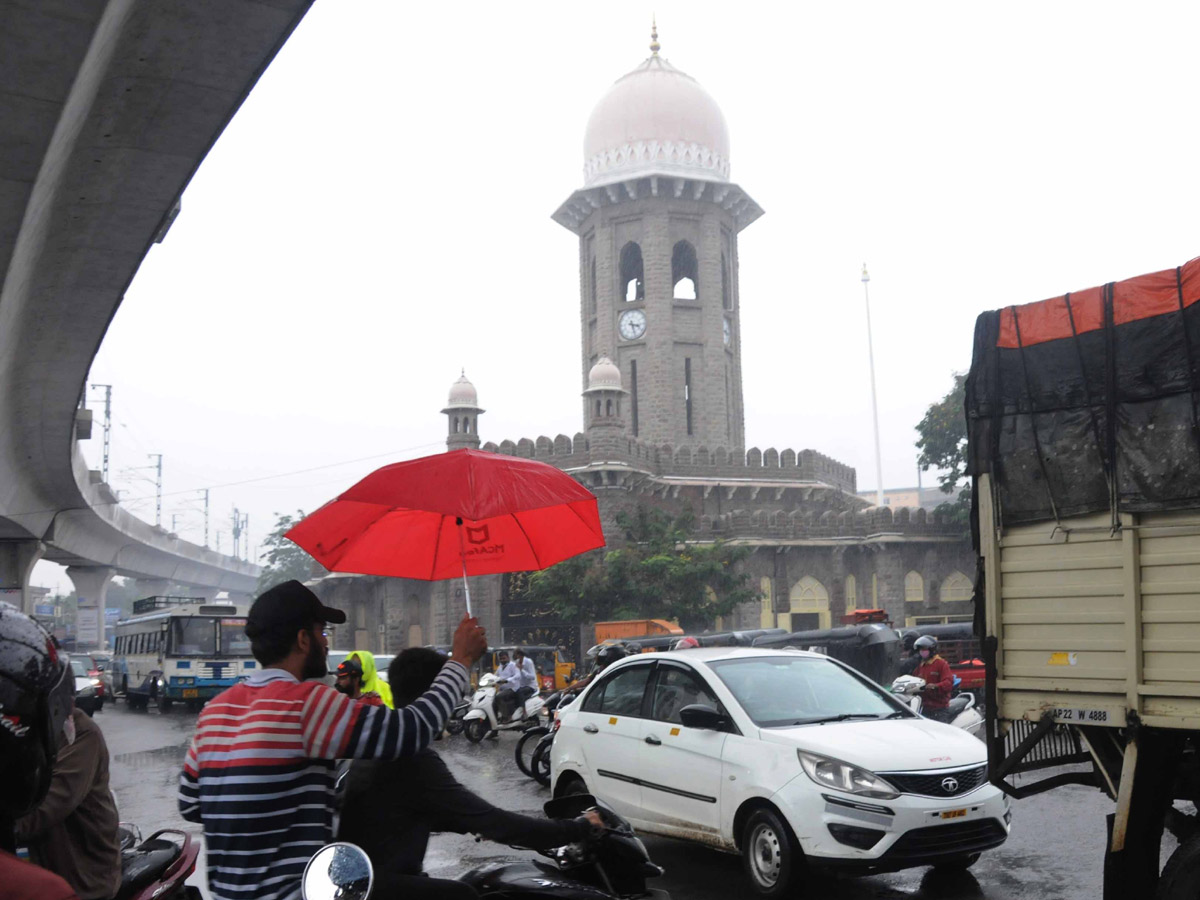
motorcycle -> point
(158, 866)
(482, 718)
(533, 749)
(613, 865)
(961, 713)
(455, 724)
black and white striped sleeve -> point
(382, 733)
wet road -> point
(1054, 852)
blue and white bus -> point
(180, 648)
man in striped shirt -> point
(260, 770)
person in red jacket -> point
(935, 696)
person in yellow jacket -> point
(371, 682)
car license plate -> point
(188, 693)
(954, 814)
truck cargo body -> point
(1083, 418)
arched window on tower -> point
(684, 271)
(631, 273)
(456, 424)
(726, 292)
(592, 294)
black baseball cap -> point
(289, 606)
(350, 666)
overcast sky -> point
(377, 217)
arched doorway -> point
(809, 606)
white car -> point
(786, 757)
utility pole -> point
(174, 520)
(246, 532)
(107, 426)
(157, 489)
(204, 491)
(237, 532)
(874, 403)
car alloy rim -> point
(766, 858)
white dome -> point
(656, 120)
(604, 376)
(462, 394)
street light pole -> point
(874, 403)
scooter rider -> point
(506, 694)
(37, 694)
(935, 695)
(390, 808)
(266, 803)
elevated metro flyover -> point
(107, 110)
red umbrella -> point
(464, 512)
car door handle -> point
(652, 740)
(590, 729)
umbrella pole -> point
(462, 554)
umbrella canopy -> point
(465, 512)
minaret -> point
(658, 222)
(604, 400)
(462, 415)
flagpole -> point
(874, 403)
(462, 555)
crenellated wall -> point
(702, 462)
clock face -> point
(632, 324)
(728, 333)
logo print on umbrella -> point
(478, 535)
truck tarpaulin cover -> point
(1088, 402)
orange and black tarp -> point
(1088, 401)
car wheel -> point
(1181, 876)
(525, 747)
(957, 863)
(770, 854)
(476, 730)
(569, 785)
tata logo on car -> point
(950, 785)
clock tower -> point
(658, 222)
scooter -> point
(158, 866)
(961, 713)
(613, 865)
(482, 719)
(535, 762)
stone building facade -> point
(658, 223)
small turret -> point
(462, 415)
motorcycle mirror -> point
(339, 871)
(568, 807)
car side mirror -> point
(697, 715)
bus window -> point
(193, 636)
(233, 638)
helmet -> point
(37, 693)
(608, 655)
(925, 642)
(687, 643)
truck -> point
(1084, 450)
(634, 628)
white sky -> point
(377, 216)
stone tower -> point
(604, 402)
(462, 415)
(658, 220)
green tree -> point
(658, 572)
(943, 444)
(283, 560)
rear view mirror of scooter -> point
(568, 807)
(339, 871)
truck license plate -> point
(954, 814)
(189, 693)
(1086, 716)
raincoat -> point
(371, 680)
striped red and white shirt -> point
(259, 774)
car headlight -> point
(833, 773)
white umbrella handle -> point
(462, 553)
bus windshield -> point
(233, 638)
(193, 636)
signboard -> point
(44, 609)
(87, 625)
(111, 615)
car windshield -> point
(778, 691)
(78, 668)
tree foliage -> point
(943, 444)
(282, 560)
(657, 573)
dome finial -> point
(654, 45)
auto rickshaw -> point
(555, 669)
